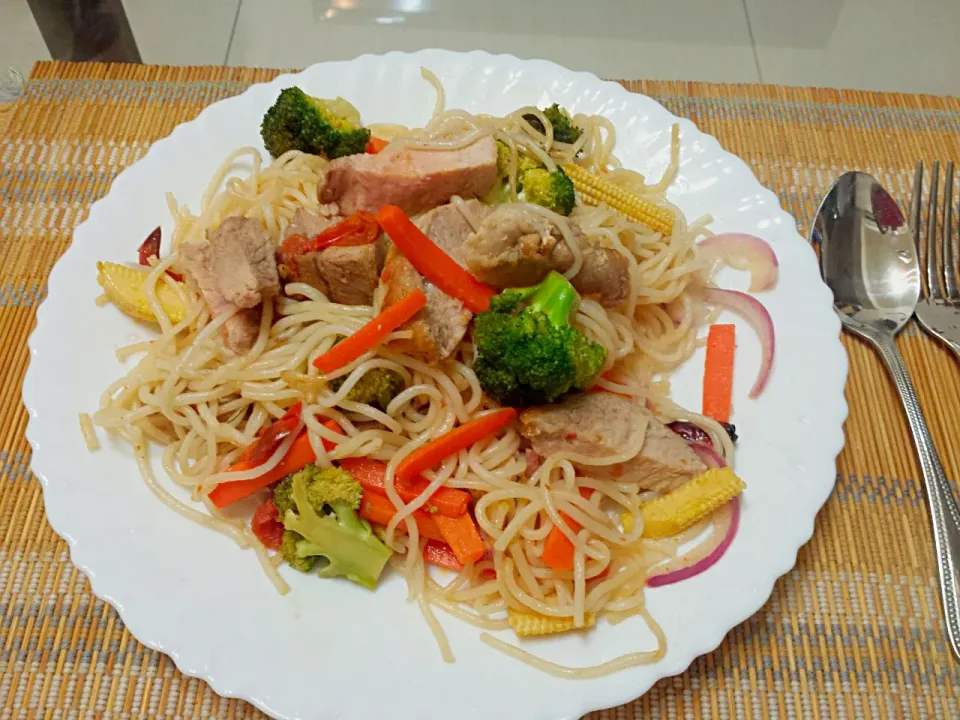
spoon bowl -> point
(868, 259)
(867, 255)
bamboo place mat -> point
(853, 631)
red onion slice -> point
(710, 457)
(753, 311)
(744, 252)
(668, 578)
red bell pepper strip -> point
(266, 525)
(371, 474)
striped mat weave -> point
(853, 631)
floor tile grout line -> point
(233, 31)
(753, 42)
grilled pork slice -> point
(235, 269)
(415, 180)
(601, 424)
(516, 247)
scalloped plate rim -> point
(784, 560)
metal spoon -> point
(868, 259)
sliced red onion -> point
(691, 433)
(709, 561)
(753, 311)
(710, 457)
(744, 252)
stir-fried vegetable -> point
(533, 356)
(530, 623)
(552, 190)
(377, 387)
(432, 262)
(594, 190)
(371, 474)
(718, 372)
(123, 286)
(371, 334)
(380, 511)
(298, 456)
(691, 502)
(320, 506)
(564, 129)
(297, 121)
(460, 438)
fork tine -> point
(916, 203)
(946, 229)
(933, 277)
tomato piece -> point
(375, 145)
(361, 228)
(292, 247)
(269, 440)
(266, 525)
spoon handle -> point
(943, 505)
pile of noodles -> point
(201, 405)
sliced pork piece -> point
(441, 325)
(601, 424)
(351, 273)
(449, 227)
(235, 268)
(516, 247)
(415, 180)
(346, 275)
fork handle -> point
(943, 506)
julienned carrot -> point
(298, 457)
(432, 262)
(371, 334)
(718, 372)
(460, 438)
(378, 509)
(463, 536)
(557, 548)
(371, 473)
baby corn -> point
(688, 504)
(123, 286)
(530, 623)
(595, 189)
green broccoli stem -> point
(555, 297)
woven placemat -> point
(852, 631)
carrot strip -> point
(435, 451)
(371, 334)
(371, 473)
(432, 262)
(557, 548)
(298, 457)
(378, 509)
(718, 372)
(463, 537)
(441, 555)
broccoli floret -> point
(553, 190)
(377, 387)
(323, 522)
(288, 549)
(563, 128)
(503, 159)
(297, 121)
(533, 356)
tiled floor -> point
(902, 45)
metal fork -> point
(939, 309)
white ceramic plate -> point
(330, 648)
